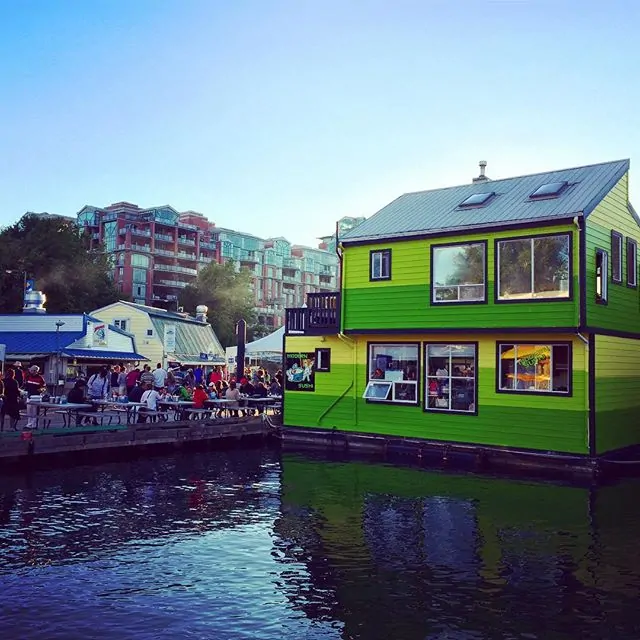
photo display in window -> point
(451, 377)
(458, 273)
(534, 268)
(393, 373)
(534, 368)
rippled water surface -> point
(248, 544)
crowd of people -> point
(144, 385)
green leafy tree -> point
(54, 253)
(228, 295)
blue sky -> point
(279, 117)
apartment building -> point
(158, 251)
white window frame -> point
(602, 297)
(377, 258)
(375, 384)
(551, 346)
(391, 397)
(532, 296)
(459, 300)
(450, 377)
(121, 323)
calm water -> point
(252, 545)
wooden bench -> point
(153, 416)
(200, 414)
(99, 416)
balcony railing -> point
(163, 252)
(163, 237)
(321, 316)
(187, 241)
(175, 268)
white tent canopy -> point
(268, 346)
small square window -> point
(149, 333)
(323, 360)
(477, 199)
(380, 265)
(549, 190)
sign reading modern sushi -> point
(300, 370)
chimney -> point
(201, 312)
(34, 302)
(482, 177)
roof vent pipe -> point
(482, 177)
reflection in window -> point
(139, 260)
(632, 262)
(602, 282)
(380, 267)
(534, 268)
(392, 373)
(458, 273)
(534, 368)
(451, 377)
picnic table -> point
(66, 410)
(115, 408)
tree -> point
(228, 295)
(54, 253)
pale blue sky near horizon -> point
(277, 117)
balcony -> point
(175, 269)
(321, 316)
(182, 255)
(171, 283)
(163, 237)
(141, 247)
(187, 241)
(207, 245)
(163, 252)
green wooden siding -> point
(511, 420)
(617, 393)
(622, 312)
(404, 301)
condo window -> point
(632, 262)
(477, 199)
(139, 260)
(458, 273)
(451, 378)
(616, 257)
(602, 283)
(534, 268)
(549, 190)
(534, 368)
(393, 373)
(380, 265)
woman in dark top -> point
(10, 405)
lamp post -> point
(59, 323)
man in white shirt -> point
(149, 399)
(159, 377)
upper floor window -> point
(393, 373)
(616, 257)
(534, 268)
(121, 324)
(139, 260)
(602, 282)
(380, 265)
(632, 262)
(531, 368)
(458, 273)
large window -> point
(451, 378)
(534, 268)
(393, 373)
(534, 368)
(602, 282)
(458, 273)
(380, 265)
(138, 260)
(632, 262)
(616, 257)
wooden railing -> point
(320, 316)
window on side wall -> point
(616, 257)
(458, 273)
(632, 263)
(392, 373)
(380, 265)
(534, 368)
(602, 282)
(537, 268)
(121, 324)
(323, 360)
(451, 379)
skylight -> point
(549, 190)
(477, 199)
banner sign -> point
(100, 335)
(169, 338)
(300, 371)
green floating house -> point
(501, 314)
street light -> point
(59, 323)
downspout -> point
(352, 344)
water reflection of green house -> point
(399, 541)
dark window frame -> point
(496, 270)
(616, 241)
(523, 392)
(632, 269)
(326, 353)
(371, 254)
(368, 372)
(425, 355)
(431, 273)
(603, 297)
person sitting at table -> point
(184, 392)
(247, 389)
(199, 397)
(149, 400)
(274, 388)
(233, 393)
(136, 393)
(77, 396)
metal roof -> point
(24, 342)
(438, 210)
(97, 354)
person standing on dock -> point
(159, 377)
(11, 398)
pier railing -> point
(321, 316)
